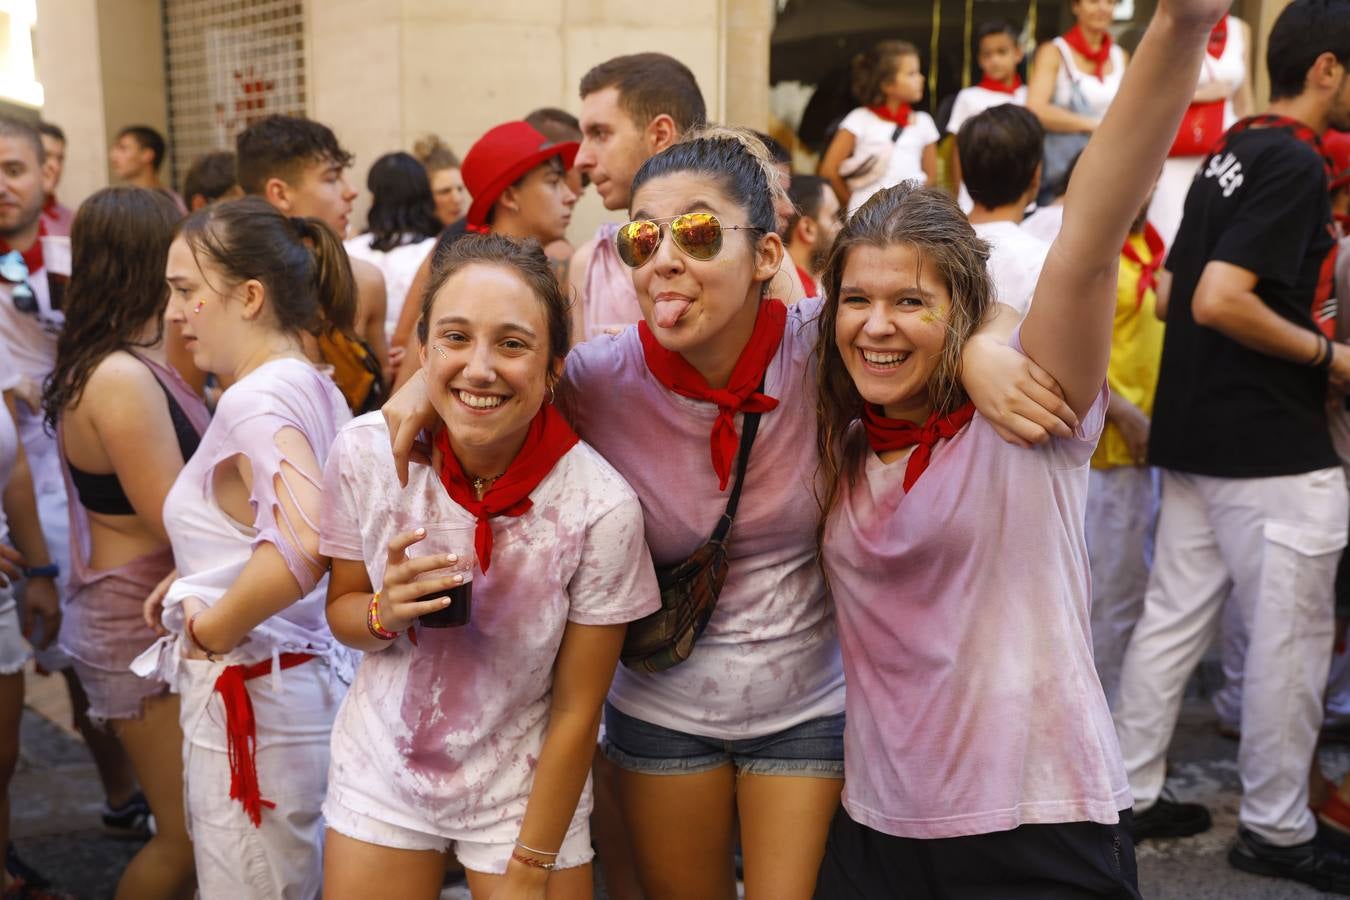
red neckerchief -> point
(241, 731)
(990, 84)
(1269, 120)
(899, 117)
(808, 283)
(32, 257)
(1074, 38)
(548, 440)
(742, 393)
(49, 205)
(1218, 38)
(1343, 219)
(1148, 270)
(896, 434)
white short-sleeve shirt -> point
(443, 738)
(1015, 262)
(906, 162)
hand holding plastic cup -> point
(448, 539)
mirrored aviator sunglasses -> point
(698, 235)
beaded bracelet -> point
(373, 620)
(532, 862)
(192, 636)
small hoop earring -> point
(197, 309)
(551, 395)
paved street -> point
(56, 799)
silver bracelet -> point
(529, 849)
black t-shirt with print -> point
(1222, 409)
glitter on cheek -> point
(934, 314)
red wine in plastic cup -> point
(457, 539)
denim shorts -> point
(813, 748)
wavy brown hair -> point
(119, 244)
(932, 224)
(875, 66)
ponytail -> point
(300, 262)
(334, 284)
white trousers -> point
(282, 858)
(1233, 653)
(1275, 543)
(1122, 509)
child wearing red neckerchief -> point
(999, 56)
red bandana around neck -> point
(897, 434)
(899, 117)
(1218, 38)
(808, 283)
(1293, 126)
(1075, 39)
(990, 84)
(548, 440)
(1344, 220)
(1148, 270)
(742, 393)
(32, 257)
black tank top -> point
(102, 493)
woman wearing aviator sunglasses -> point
(751, 724)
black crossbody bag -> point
(689, 589)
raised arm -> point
(1068, 330)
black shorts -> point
(1033, 862)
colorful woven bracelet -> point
(532, 862)
(373, 620)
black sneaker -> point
(1169, 819)
(130, 820)
(1315, 863)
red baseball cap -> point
(500, 157)
(1336, 145)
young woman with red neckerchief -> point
(480, 736)
(980, 748)
(1074, 78)
(750, 724)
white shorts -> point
(476, 856)
(14, 650)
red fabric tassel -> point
(241, 731)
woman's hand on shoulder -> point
(1018, 397)
(407, 414)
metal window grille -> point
(227, 64)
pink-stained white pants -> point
(1275, 542)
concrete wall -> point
(101, 64)
(384, 72)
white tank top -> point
(1094, 94)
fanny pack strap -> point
(749, 428)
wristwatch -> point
(51, 570)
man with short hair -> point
(136, 157)
(1253, 496)
(812, 229)
(210, 178)
(57, 217)
(298, 166)
(1000, 151)
(518, 180)
(632, 107)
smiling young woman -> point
(750, 725)
(979, 744)
(478, 736)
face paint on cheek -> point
(934, 314)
